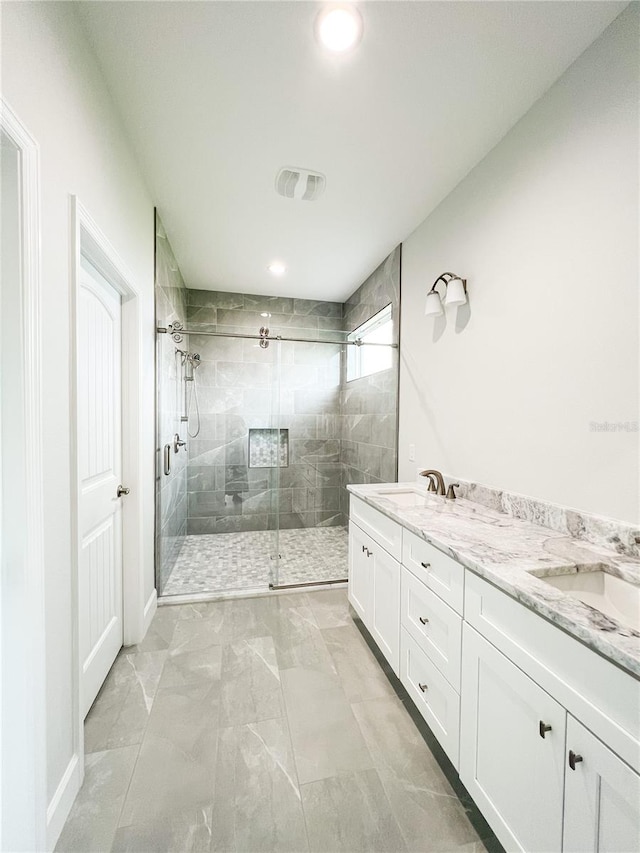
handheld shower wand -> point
(189, 362)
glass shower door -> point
(221, 493)
(312, 539)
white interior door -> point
(99, 471)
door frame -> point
(88, 241)
(30, 647)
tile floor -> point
(218, 562)
(259, 724)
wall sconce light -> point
(455, 293)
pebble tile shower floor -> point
(237, 561)
(259, 724)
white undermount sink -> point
(605, 592)
(404, 497)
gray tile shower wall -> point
(171, 491)
(242, 387)
(369, 406)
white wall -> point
(545, 228)
(51, 81)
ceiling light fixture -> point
(277, 268)
(455, 293)
(339, 28)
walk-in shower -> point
(275, 424)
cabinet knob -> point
(544, 728)
(574, 758)
(426, 565)
(423, 620)
(423, 687)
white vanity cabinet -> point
(360, 572)
(374, 577)
(544, 732)
(566, 791)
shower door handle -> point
(167, 459)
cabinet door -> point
(385, 610)
(360, 592)
(514, 774)
(602, 797)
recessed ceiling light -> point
(277, 268)
(339, 28)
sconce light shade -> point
(456, 294)
(433, 305)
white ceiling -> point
(217, 96)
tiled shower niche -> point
(268, 448)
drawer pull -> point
(426, 565)
(364, 549)
(574, 758)
(425, 687)
(544, 728)
(425, 621)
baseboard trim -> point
(149, 612)
(63, 799)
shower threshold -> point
(304, 584)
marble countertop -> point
(514, 555)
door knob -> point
(122, 490)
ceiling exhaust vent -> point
(300, 184)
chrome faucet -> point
(436, 481)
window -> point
(364, 360)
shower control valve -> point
(178, 443)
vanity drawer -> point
(438, 571)
(436, 628)
(434, 697)
(379, 527)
